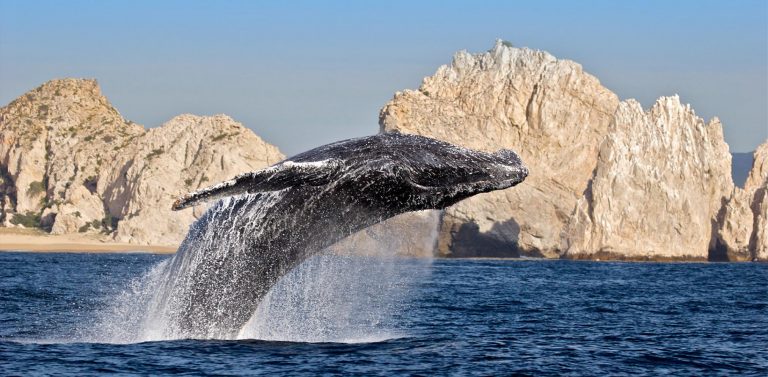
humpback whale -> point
(267, 222)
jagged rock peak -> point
(548, 110)
(55, 140)
(502, 57)
(661, 178)
(72, 85)
(65, 93)
(758, 175)
(743, 220)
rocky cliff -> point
(70, 163)
(608, 180)
(757, 183)
(743, 220)
(548, 110)
(660, 181)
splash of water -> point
(336, 296)
(333, 298)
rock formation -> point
(186, 153)
(71, 164)
(743, 221)
(735, 227)
(660, 181)
(54, 143)
(549, 111)
(757, 183)
(607, 180)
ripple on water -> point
(460, 317)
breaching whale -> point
(269, 221)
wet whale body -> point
(269, 221)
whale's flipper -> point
(274, 178)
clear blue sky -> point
(301, 74)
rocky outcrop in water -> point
(758, 183)
(743, 221)
(607, 179)
(549, 111)
(660, 181)
(70, 163)
(735, 227)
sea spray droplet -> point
(333, 298)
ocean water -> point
(402, 317)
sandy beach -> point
(36, 241)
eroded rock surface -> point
(661, 178)
(54, 144)
(549, 111)
(735, 227)
(70, 163)
(608, 180)
(757, 184)
(743, 225)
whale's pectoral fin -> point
(278, 177)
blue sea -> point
(363, 316)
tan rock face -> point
(758, 175)
(661, 178)
(186, 153)
(735, 227)
(607, 179)
(549, 111)
(757, 184)
(742, 226)
(70, 163)
(760, 237)
(54, 142)
(83, 212)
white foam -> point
(329, 298)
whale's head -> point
(441, 174)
